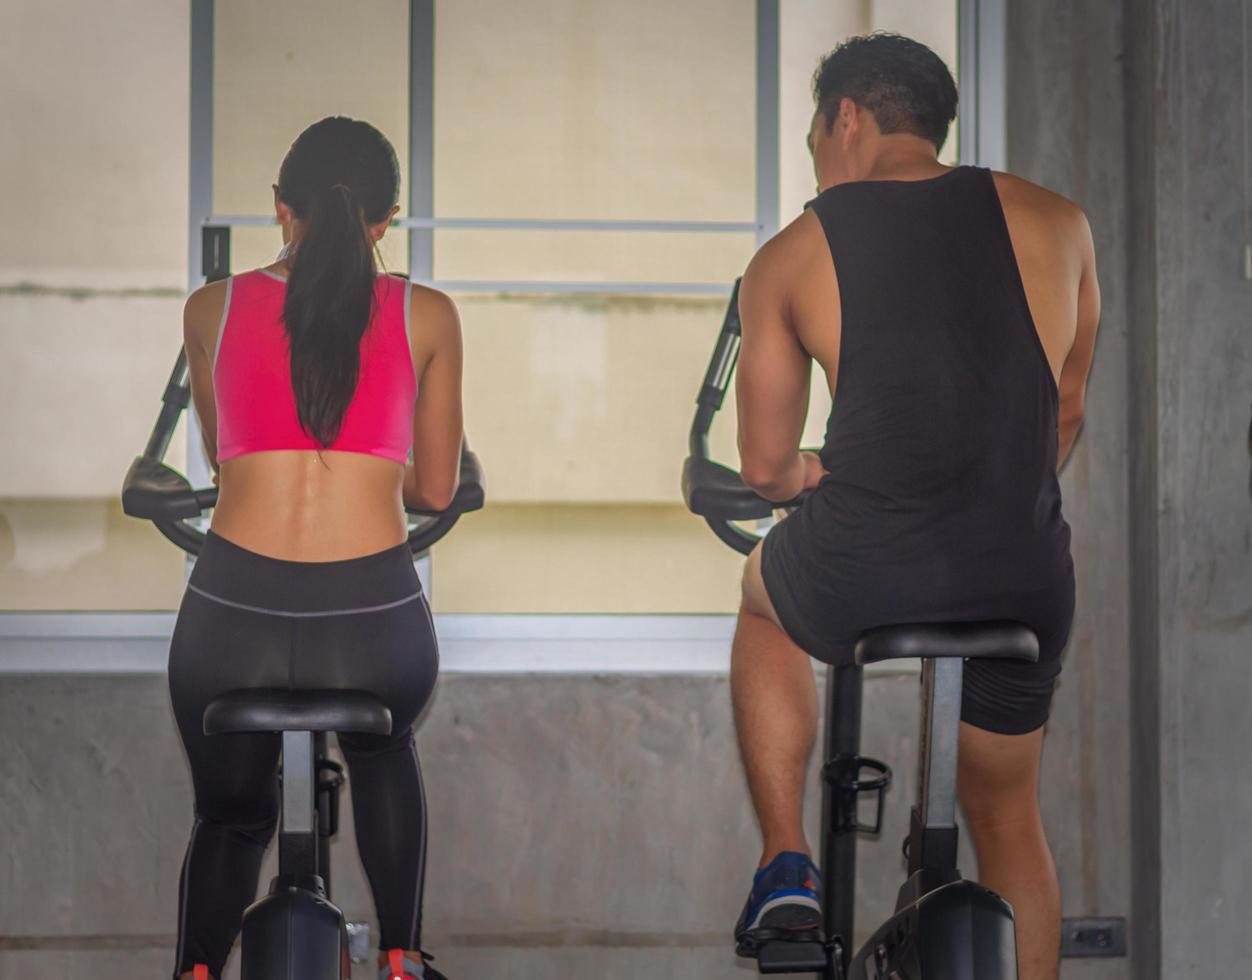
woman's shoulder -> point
(431, 318)
(433, 309)
(205, 304)
(420, 301)
(202, 314)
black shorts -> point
(825, 620)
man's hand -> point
(813, 469)
(803, 472)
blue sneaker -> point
(783, 904)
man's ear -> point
(849, 121)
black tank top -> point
(941, 445)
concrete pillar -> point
(1191, 358)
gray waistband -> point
(302, 615)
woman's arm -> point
(430, 481)
(202, 315)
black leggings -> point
(251, 621)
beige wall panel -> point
(586, 399)
(589, 399)
(522, 559)
(80, 554)
(582, 255)
(577, 109)
(67, 555)
(284, 64)
(82, 387)
(94, 160)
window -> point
(591, 170)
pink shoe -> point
(400, 967)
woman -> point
(313, 378)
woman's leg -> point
(234, 779)
(393, 654)
(236, 812)
(389, 809)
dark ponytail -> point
(340, 176)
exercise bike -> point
(944, 927)
(294, 932)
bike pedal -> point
(792, 957)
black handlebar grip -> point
(215, 252)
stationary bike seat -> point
(278, 710)
(1000, 639)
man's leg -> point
(999, 790)
(775, 702)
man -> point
(953, 311)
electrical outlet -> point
(1093, 937)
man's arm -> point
(772, 384)
(1072, 390)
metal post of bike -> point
(839, 800)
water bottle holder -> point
(330, 780)
(844, 774)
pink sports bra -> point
(256, 406)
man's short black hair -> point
(904, 84)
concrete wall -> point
(1135, 111)
(1193, 516)
(579, 825)
(1065, 131)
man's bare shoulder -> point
(789, 253)
(1040, 209)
